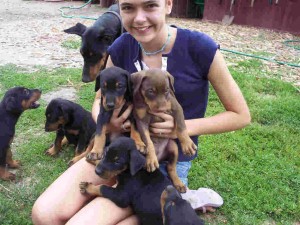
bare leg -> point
(62, 199)
(132, 220)
(102, 211)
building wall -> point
(284, 16)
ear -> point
(64, 112)
(97, 82)
(137, 161)
(169, 5)
(78, 29)
(129, 87)
(12, 105)
(136, 80)
(171, 81)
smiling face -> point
(145, 20)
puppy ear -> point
(97, 82)
(78, 29)
(12, 105)
(171, 81)
(128, 93)
(137, 161)
(136, 81)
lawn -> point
(256, 170)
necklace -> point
(160, 50)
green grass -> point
(72, 44)
(256, 170)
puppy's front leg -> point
(187, 144)
(60, 139)
(151, 158)
(100, 137)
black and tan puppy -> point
(15, 101)
(177, 211)
(136, 187)
(72, 123)
(95, 41)
(114, 84)
(153, 92)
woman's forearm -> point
(222, 122)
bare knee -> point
(42, 213)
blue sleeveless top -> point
(188, 62)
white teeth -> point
(141, 28)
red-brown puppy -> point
(153, 92)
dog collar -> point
(119, 17)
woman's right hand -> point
(120, 123)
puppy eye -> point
(107, 38)
(26, 91)
(151, 91)
(116, 159)
(48, 115)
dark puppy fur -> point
(153, 91)
(114, 84)
(177, 211)
(15, 101)
(72, 123)
(136, 187)
(95, 41)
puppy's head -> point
(114, 83)
(18, 99)
(172, 205)
(95, 41)
(154, 87)
(58, 113)
(119, 156)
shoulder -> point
(197, 39)
(124, 40)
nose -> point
(140, 16)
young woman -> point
(194, 60)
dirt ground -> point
(31, 33)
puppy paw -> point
(74, 160)
(188, 147)
(7, 176)
(83, 186)
(141, 147)
(181, 188)
(151, 163)
(14, 164)
(51, 151)
(89, 188)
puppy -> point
(153, 92)
(177, 211)
(114, 83)
(95, 41)
(135, 187)
(15, 101)
(72, 123)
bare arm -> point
(235, 116)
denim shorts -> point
(182, 169)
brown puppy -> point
(153, 92)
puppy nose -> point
(110, 105)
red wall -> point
(284, 16)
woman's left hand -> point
(165, 129)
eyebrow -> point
(145, 2)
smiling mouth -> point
(142, 28)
